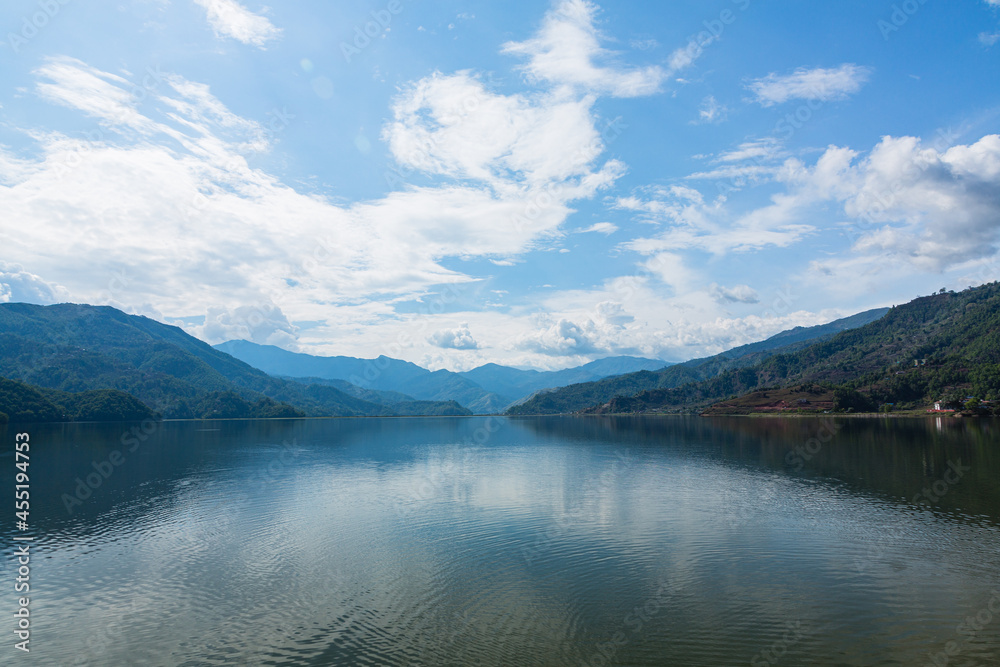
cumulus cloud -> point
(20, 286)
(165, 192)
(810, 84)
(231, 19)
(613, 313)
(735, 294)
(452, 125)
(455, 339)
(930, 207)
(567, 51)
(262, 323)
(560, 339)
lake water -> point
(488, 541)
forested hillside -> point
(944, 346)
(71, 348)
(580, 396)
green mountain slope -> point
(75, 348)
(580, 396)
(940, 346)
(24, 403)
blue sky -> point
(533, 184)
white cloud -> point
(101, 95)
(613, 313)
(263, 323)
(692, 223)
(560, 339)
(685, 56)
(711, 111)
(605, 228)
(928, 207)
(566, 51)
(644, 44)
(810, 84)
(740, 174)
(231, 19)
(580, 325)
(165, 196)
(455, 339)
(735, 294)
(451, 125)
(989, 39)
(18, 285)
(758, 150)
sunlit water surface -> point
(489, 541)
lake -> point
(640, 541)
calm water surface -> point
(489, 541)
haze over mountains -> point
(580, 396)
(488, 389)
(78, 362)
(78, 348)
(943, 348)
(132, 366)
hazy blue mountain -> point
(487, 389)
(519, 383)
(372, 395)
(380, 374)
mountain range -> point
(484, 390)
(576, 397)
(943, 348)
(72, 349)
(79, 362)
